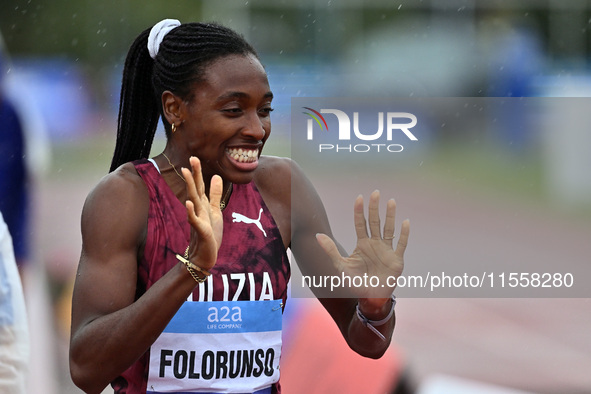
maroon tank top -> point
(252, 263)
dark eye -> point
(266, 111)
(233, 111)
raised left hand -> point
(374, 258)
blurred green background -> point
(313, 48)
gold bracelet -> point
(192, 267)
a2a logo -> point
(224, 314)
(395, 122)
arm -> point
(320, 255)
(106, 318)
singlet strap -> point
(155, 165)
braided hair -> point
(182, 57)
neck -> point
(168, 166)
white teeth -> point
(243, 155)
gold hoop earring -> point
(173, 127)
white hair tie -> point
(157, 34)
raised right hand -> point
(204, 215)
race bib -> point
(220, 346)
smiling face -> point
(227, 120)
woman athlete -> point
(183, 272)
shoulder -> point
(273, 171)
(279, 172)
(119, 199)
(280, 177)
(273, 179)
(272, 166)
(123, 183)
(282, 180)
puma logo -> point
(237, 218)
